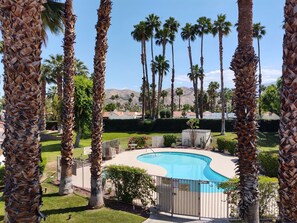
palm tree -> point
(1, 47)
(258, 33)
(212, 93)
(153, 24)
(188, 33)
(244, 65)
(22, 48)
(161, 67)
(141, 34)
(66, 186)
(45, 78)
(287, 150)
(56, 64)
(203, 27)
(163, 94)
(179, 92)
(222, 28)
(96, 198)
(172, 25)
(193, 76)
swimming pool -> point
(185, 166)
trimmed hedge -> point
(269, 163)
(169, 140)
(226, 145)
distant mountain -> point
(124, 95)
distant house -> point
(180, 114)
(121, 115)
(270, 116)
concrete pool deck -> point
(220, 163)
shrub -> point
(141, 141)
(165, 114)
(267, 194)
(43, 164)
(131, 183)
(169, 140)
(226, 145)
(269, 163)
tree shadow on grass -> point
(65, 210)
(268, 139)
(52, 147)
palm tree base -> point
(96, 199)
(66, 186)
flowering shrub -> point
(141, 141)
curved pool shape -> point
(185, 166)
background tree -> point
(141, 34)
(22, 36)
(172, 25)
(188, 33)
(164, 94)
(203, 27)
(193, 76)
(102, 26)
(179, 92)
(153, 24)
(161, 67)
(244, 65)
(83, 99)
(222, 28)
(212, 93)
(258, 33)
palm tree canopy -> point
(188, 32)
(258, 30)
(172, 24)
(53, 17)
(179, 91)
(196, 72)
(203, 26)
(140, 32)
(153, 23)
(162, 36)
(221, 25)
(161, 65)
(164, 93)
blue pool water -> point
(185, 166)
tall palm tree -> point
(172, 25)
(141, 34)
(161, 67)
(244, 65)
(96, 198)
(164, 94)
(188, 33)
(222, 28)
(66, 186)
(287, 150)
(153, 24)
(45, 78)
(258, 33)
(212, 93)
(203, 27)
(22, 36)
(193, 76)
(179, 92)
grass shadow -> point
(268, 139)
(52, 147)
(65, 210)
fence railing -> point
(199, 198)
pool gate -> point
(197, 198)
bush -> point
(169, 140)
(226, 145)
(165, 114)
(131, 183)
(267, 194)
(141, 141)
(269, 163)
(43, 164)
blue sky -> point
(123, 59)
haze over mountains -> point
(124, 95)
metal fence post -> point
(199, 199)
(172, 197)
(83, 175)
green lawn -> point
(58, 208)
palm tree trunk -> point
(172, 80)
(260, 78)
(147, 80)
(143, 81)
(288, 120)
(22, 35)
(178, 103)
(153, 82)
(194, 81)
(222, 83)
(244, 65)
(103, 24)
(42, 121)
(66, 186)
(159, 93)
(78, 135)
(201, 79)
(60, 98)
